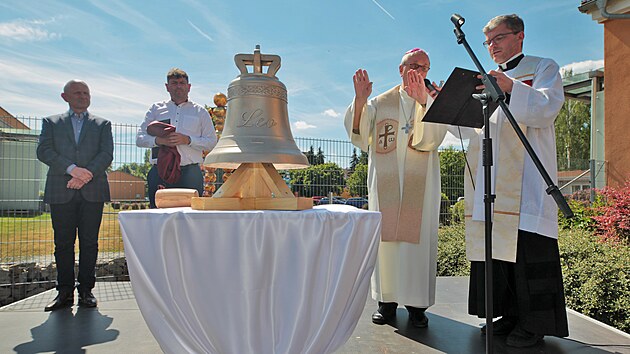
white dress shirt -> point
(189, 119)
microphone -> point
(457, 20)
(429, 85)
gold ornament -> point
(220, 100)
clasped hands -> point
(173, 139)
(80, 177)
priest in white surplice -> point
(528, 292)
(403, 184)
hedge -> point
(596, 272)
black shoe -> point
(520, 338)
(502, 326)
(417, 317)
(87, 299)
(64, 299)
(386, 312)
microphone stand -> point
(493, 93)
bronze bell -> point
(257, 128)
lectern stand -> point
(463, 113)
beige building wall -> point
(617, 100)
(614, 15)
(123, 186)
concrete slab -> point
(117, 326)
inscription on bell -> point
(256, 119)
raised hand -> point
(415, 87)
(362, 86)
(362, 91)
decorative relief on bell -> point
(259, 90)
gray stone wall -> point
(19, 281)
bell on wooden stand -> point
(257, 141)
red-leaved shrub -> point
(613, 221)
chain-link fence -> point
(26, 236)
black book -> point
(455, 104)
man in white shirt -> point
(194, 133)
(528, 292)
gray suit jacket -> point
(58, 150)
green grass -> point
(24, 237)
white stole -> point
(401, 217)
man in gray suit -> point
(77, 147)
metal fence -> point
(26, 237)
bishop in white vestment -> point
(403, 184)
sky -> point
(123, 49)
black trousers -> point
(530, 289)
(82, 217)
(191, 178)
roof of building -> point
(580, 86)
(122, 176)
(7, 120)
(600, 11)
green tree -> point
(138, 169)
(573, 134)
(363, 158)
(319, 158)
(297, 180)
(452, 164)
(357, 182)
(310, 156)
(318, 180)
(354, 160)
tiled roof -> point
(7, 120)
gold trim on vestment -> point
(401, 217)
(509, 178)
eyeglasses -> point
(414, 66)
(497, 39)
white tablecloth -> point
(251, 281)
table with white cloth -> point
(251, 281)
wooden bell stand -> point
(253, 186)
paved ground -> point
(116, 326)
